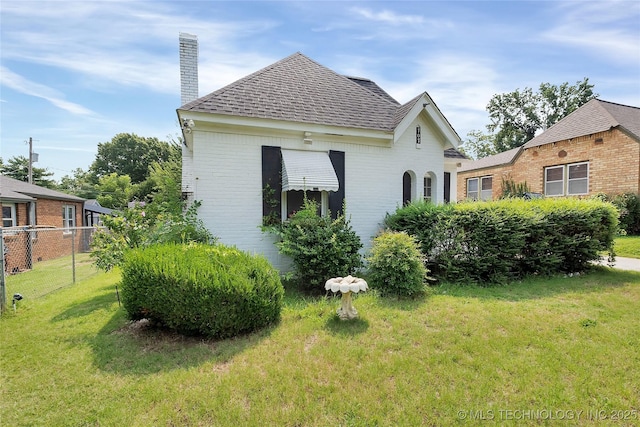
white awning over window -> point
(308, 170)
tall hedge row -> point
(493, 242)
(200, 289)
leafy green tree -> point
(517, 116)
(115, 191)
(79, 184)
(18, 168)
(478, 145)
(130, 154)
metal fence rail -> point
(37, 260)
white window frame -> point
(428, 188)
(566, 180)
(12, 218)
(486, 194)
(470, 194)
(68, 221)
(284, 209)
(573, 180)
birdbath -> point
(347, 286)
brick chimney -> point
(188, 68)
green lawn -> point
(547, 347)
(628, 246)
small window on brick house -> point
(486, 192)
(570, 180)
(472, 188)
(68, 216)
(8, 215)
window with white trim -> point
(571, 180)
(480, 188)
(9, 215)
(428, 182)
(68, 216)
(486, 188)
(472, 188)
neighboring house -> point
(595, 149)
(93, 212)
(28, 206)
(252, 147)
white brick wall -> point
(228, 181)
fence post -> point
(3, 288)
(73, 254)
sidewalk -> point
(621, 263)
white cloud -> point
(599, 27)
(388, 17)
(20, 84)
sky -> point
(75, 74)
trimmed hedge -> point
(199, 289)
(395, 265)
(494, 242)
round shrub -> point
(396, 265)
(200, 289)
(320, 247)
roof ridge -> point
(617, 103)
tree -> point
(478, 145)
(129, 154)
(18, 168)
(79, 184)
(518, 116)
(115, 191)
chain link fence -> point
(39, 260)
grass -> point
(458, 355)
(628, 246)
(40, 281)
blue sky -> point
(74, 74)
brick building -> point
(37, 223)
(595, 149)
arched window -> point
(429, 187)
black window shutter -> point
(271, 184)
(336, 198)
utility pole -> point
(30, 160)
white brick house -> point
(250, 147)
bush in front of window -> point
(503, 240)
(199, 289)
(395, 265)
(320, 247)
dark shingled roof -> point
(13, 189)
(373, 87)
(452, 153)
(299, 89)
(593, 117)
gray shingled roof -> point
(593, 117)
(503, 158)
(13, 189)
(299, 89)
(452, 153)
(373, 87)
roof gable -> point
(593, 117)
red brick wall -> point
(613, 156)
(27, 248)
